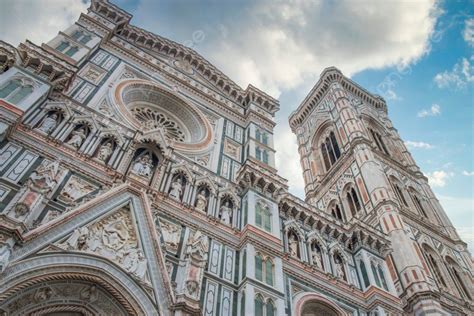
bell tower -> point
(357, 168)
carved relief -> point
(171, 234)
(75, 189)
(114, 238)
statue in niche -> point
(49, 123)
(293, 245)
(201, 201)
(105, 151)
(78, 137)
(317, 257)
(143, 166)
(177, 189)
(339, 268)
(225, 213)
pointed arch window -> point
(242, 304)
(378, 141)
(265, 138)
(8, 89)
(264, 270)
(330, 151)
(336, 212)
(71, 51)
(265, 156)
(77, 34)
(363, 271)
(376, 275)
(382, 278)
(269, 272)
(353, 201)
(433, 263)
(270, 308)
(258, 153)
(399, 193)
(62, 46)
(453, 270)
(259, 306)
(85, 39)
(418, 205)
(21, 94)
(258, 135)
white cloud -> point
(468, 173)
(438, 178)
(468, 33)
(434, 110)
(38, 21)
(459, 77)
(288, 161)
(422, 145)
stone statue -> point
(105, 151)
(198, 246)
(176, 189)
(171, 234)
(201, 201)
(317, 260)
(49, 123)
(225, 213)
(143, 166)
(77, 137)
(135, 262)
(340, 269)
(293, 246)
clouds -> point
(468, 32)
(434, 110)
(459, 77)
(421, 145)
(437, 179)
(468, 173)
(38, 21)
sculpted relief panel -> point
(112, 237)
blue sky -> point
(418, 54)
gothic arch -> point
(307, 302)
(320, 134)
(73, 268)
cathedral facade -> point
(138, 179)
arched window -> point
(71, 51)
(270, 308)
(263, 216)
(418, 204)
(62, 46)
(353, 201)
(382, 278)
(259, 306)
(9, 88)
(21, 94)
(265, 156)
(242, 304)
(258, 135)
(399, 193)
(269, 272)
(259, 267)
(375, 273)
(378, 141)
(330, 150)
(77, 34)
(456, 274)
(258, 153)
(432, 259)
(335, 210)
(363, 271)
(85, 39)
(265, 138)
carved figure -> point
(115, 235)
(198, 246)
(201, 202)
(49, 123)
(225, 213)
(171, 234)
(176, 189)
(135, 262)
(75, 189)
(77, 137)
(340, 269)
(5, 252)
(89, 293)
(293, 245)
(105, 151)
(317, 260)
(78, 239)
(143, 166)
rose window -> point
(150, 108)
(153, 119)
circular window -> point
(150, 108)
